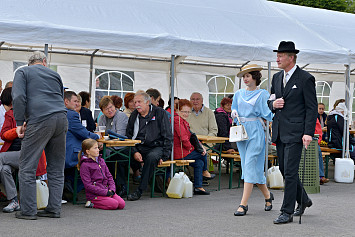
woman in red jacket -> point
(184, 150)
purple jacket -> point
(96, 177)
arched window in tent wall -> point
(219, 86)
(323, 89)
(111, 82)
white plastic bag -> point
(42, 194)
(188, 187)
(176, 186)
(274, 177)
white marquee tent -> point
(228, 29)
(226, 33)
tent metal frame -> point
(93, 53)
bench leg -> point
(231, 173)
(326, 165)
(227, 167)
(75, 191)
(164, 182)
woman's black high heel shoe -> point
(268, 208)
(241, 213)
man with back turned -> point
(294, 102)
(42, 122)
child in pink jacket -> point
(98, 182)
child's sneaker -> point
(13, 206)
(89, 204)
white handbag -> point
(238, 133)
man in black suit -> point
(294, 102)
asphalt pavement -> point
(331, 215)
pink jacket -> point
(96, 177)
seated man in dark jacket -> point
(335, 129)
(151, 125)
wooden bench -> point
(329, 153)
(234, 158)
(161, 170)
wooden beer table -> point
(111, 144)
(206, 141)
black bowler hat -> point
(287, 46)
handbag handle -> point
(238, 119)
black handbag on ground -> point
(195, 142)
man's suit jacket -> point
(75, 135)
(299, 114)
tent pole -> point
(46, 50)
(91, 70)
(172, 79)
(345, 153)
(267, 133)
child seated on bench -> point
(98, 182)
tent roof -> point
(246, 30)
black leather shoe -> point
(268, 208)
(123, 192)
(49, 214)
(298, 209)
(200, 192)
(18, 215)
(241, 213)
(209, 178)
(134, 196)
(283, 218)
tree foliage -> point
(336, 5)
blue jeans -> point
(321, 166)
(199, 165)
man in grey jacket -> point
(42, 123)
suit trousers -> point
(289, 156)
(49, 135)
(9, 161)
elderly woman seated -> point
(335, 128)
(116, 121)
(183, 149)
(224, 122)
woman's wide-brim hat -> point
(249, 68)
(287, 47)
